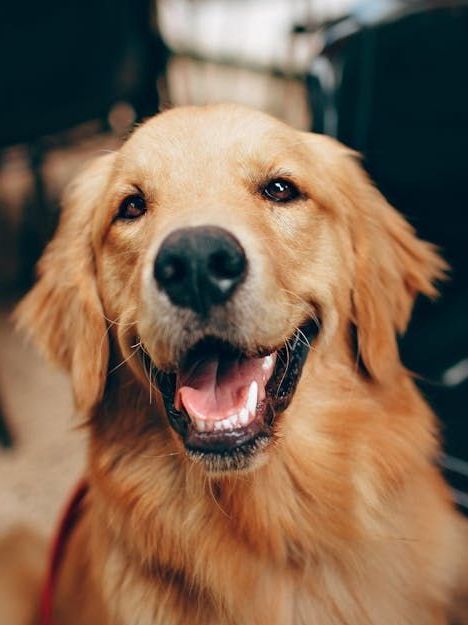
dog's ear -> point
(62, 313)
(392, 266)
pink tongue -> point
(217, 388)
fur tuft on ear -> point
(392, 266)
(62, 313)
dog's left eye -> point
(280, 190)
(132, 207)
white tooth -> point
(208, 426)
(200, 425)
(252, 398)
(218, 426)
(244, 416)
(227, 424)
(234, 421)
(267, 362)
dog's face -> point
(224, 253)
(220, 269)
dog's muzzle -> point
(220, 396)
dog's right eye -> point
(132, 207)
(281, 191)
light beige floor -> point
(48, 456)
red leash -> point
(70, 517)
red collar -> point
(70, 516)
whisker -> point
(218, 505)
(151, 385)
(116, 322)
(173, 453)
(123, 361)
(302, 338)
(147, 373)
(288, 360)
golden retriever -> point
(225, 292)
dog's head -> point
(225, 257)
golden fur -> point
(345, 519)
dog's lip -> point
(279, 389)
(224, 441)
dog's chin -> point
(222, 400)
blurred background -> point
(387, 77)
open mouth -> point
(223, 402)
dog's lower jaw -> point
(247, 459)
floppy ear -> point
(63, 313)
(392, 266)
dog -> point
(226, 293)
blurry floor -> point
(36, 475)
(48, 452)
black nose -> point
(200, 267)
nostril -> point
(172, 270)
(223, 265)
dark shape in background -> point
(394, 86)
(62, 64)
(66, 63)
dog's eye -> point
(280, 190)
(132, 207)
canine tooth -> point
(244, 416)
(252, 398)
(201, 425)
(267, 361)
